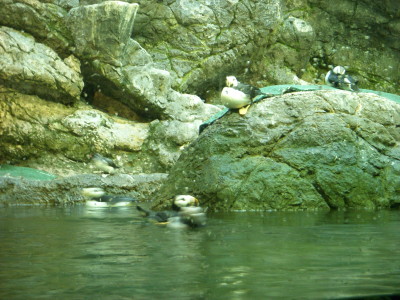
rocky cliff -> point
(133, 81)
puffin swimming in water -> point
(239, 95)
(96, 197)
(104, 164)
(185, 213)
(338, 78)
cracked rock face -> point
(198, 42)
(34, 68)
(271, 42)
(306, 150)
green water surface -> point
(80, 253)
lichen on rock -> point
(306, 150)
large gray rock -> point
(103, 31)
(67, 190)
(42, 19)
(119, 67)
(306, 150)
(60, 139)
(363, 35)
(34, 68)
(199, 42)
(271, 42)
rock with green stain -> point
(306, 150)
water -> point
(77, 253)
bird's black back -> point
(248, 89)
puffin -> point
(104, 164)
(96, 197)
(249, 90)
(239, 95)
(185, 213)
(338, 78)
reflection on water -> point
(76, 253)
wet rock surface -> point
(79, 77)
(306, 150)
(34, 68)
(67, 190)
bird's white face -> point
(185, 201)
(231, 81)
(339, 70)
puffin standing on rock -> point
(96, 197)
(239, 95)
(338, 78)
(104, 164)
(185, 213)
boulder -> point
(102, 31)
(117, 66)
(364, 35)
(199, 42)
(60, 139)
(67, 190)
(305, 150)
(41, 19)
(266, 42)
(33, 68)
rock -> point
(271, 42)
(168, 139)
(33, 68)
(115, 64)
(296, 36)
(199, 42)
(59, 139)
(286, 61)
(32, 128)
(369, 45)
(41, 19)
(119, 67)
(305, 150)
(103, 133)
(102, 31)
(67, 190)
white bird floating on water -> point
(96, 197)
(185, 213)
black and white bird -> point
(185, 213)
(239, 95)
(338, 78)
(96, 197)
(104, 164)
(249, 90)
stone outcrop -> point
(33, 68)
(363, 35)
(78, 77)
(118, 66)
(271, 42)
(200, 42)
(114, 67)
(60, 139)
(305, 150)
(43, 20)
(67, 190)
